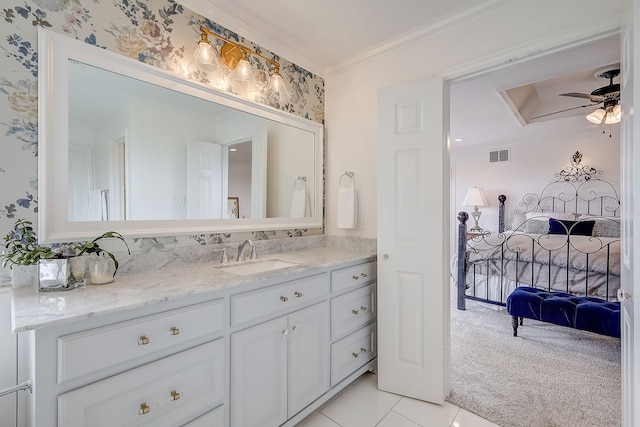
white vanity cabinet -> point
(264, 352)
(157, 369)
(280, 366)
(167, 392)
(353, 315)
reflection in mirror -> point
(138, 151)
(126, 146)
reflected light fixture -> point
(236, 58)
(476, 198)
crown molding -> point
(538, 46)
(417, 35)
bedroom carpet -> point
(548, 376)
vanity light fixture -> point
(236, 57)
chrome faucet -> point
(224, 259)
(254, 254)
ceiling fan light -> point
(611, 119)
(597, 116)
(617, 112)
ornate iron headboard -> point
(578, 189)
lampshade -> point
(205, 59)
(597, 116)
(277, 88)
(243, 79)
(613, 116)
(475, 197)
(610, 115)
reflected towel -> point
(347, 205)
(300, 202)
(98, 210)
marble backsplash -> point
(154, 259)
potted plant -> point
(101, 270)
(60, 269)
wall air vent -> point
(499, 156)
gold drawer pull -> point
(362, 308)
(144, 409)
(284, 299)
(358, 276)
(298, 294)
(175, 331)
(175, 395)
(362, 350)
(143, 340)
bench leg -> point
(514, 323)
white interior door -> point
(630, 186)
(205, 181)
(413, 240)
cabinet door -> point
(8, 362)
(259, 375)
(308, 356)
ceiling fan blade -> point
(560, 111)
(593, 98)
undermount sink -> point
(259, 266)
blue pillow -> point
(562, 226)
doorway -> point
(527, 169)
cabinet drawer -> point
(352, 310)
(286, 296)
(163, 393)
(349, 277)
(101, 348)
(352, 352)
(213, 418)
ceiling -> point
(481, 113)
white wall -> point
(157, 158)
(502, 34)
(532, 166)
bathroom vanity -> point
(202, 344)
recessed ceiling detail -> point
(568, 95)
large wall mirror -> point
(125, 146)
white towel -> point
(98, 209)
(300, 202)
(347, 204)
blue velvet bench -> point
(585, 313)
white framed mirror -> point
(129, 147)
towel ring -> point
(299, 179)
(349, 174)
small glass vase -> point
(61, 274)
(101, 270)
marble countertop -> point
(32, 309)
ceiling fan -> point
(608, 96)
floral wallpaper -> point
(158, 32)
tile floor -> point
(363, 405)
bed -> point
(565, 238)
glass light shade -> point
(617, 112)
(205, 60)
(278, 88)
(475, 197)
(243, 79)
(611, 119)
(597, 116)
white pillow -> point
(554, 215)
